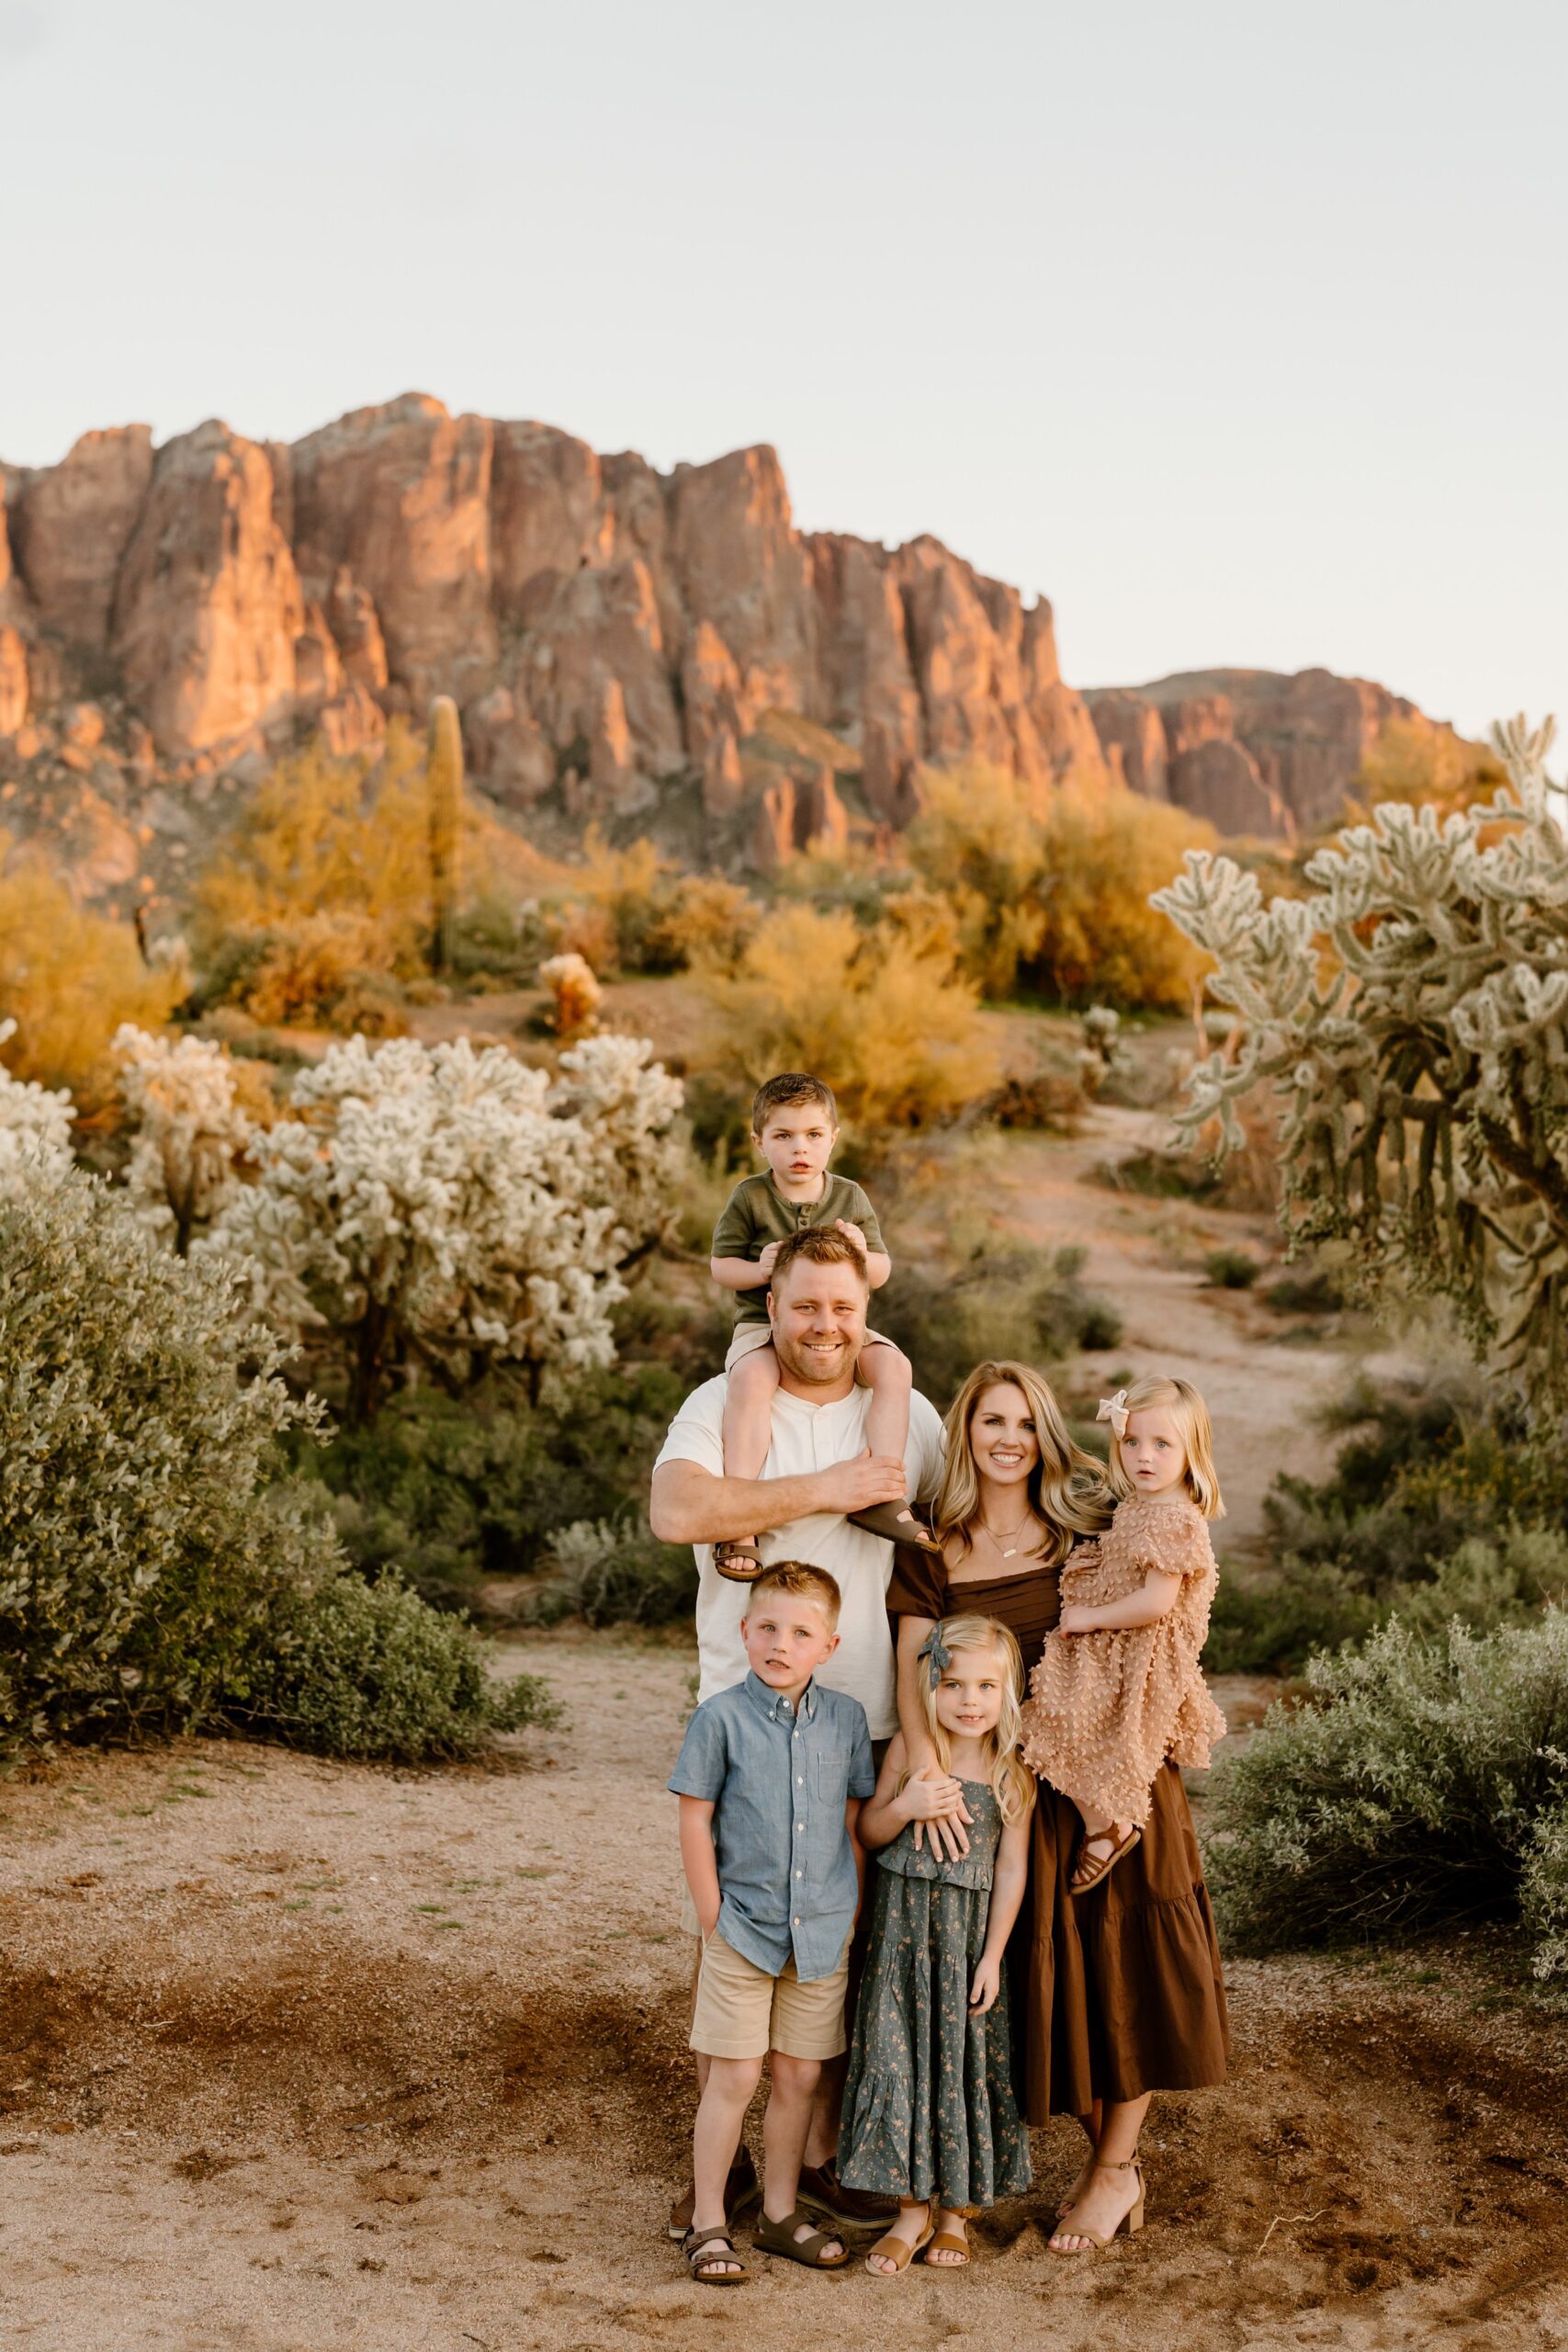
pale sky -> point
(1238, 330)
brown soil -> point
(295, 2056)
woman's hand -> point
(986, 1985)
(933, 1800)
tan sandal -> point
(778, 2237)
(947, 2242)
(1131, 2221)
(704, 2249)
(899, 2252)
(1087, 1873)
(741, 1562)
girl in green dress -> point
(930, 2115)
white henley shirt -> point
(806, 1438)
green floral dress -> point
(929, 2104)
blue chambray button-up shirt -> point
(779, 1780)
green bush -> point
(1310, 1289)
(367, 1671)
(456, 1491)
(1436, 1507)
(1025, 1304)
(1232, 1269)
(138, 1420)
(614, 1572)
(1421, 1784)
(149, 1581)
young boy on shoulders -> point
(794, 1126)
(771, 1777)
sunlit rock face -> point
(619, 641)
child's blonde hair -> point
(1187, 1410)
(803, 1581)
(1012, 1783)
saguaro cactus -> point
(444, 783)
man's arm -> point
(690, 1505)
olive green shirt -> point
(757, 1213)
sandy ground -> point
(295, 2056)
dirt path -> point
(297, 2057)
(1263, 1391)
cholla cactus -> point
(1412, 1019)
(35, 1131)
(570, 980)
(455, 1205)
(190, 1129)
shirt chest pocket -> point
(829, 1772)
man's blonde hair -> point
(1187, 1410)
(801, 1582)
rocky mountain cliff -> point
(616, 638)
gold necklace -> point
(1011, 1551)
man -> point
(819, 1469)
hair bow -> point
(1114, 1410)
(941, 1656)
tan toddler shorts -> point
(743, 2012)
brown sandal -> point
(899, 2252)
(947, 2242)
(741, 1562)
(896, 1523)
(703, 2248)
(778, 2237)
(1089, 1871)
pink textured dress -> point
(1107, 1709)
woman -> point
(1123, 1995)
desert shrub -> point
(1029, 1304)
(151, 1580)
(334, 969)
(896, 1028)
(138, 1420)
(1049, 1101)
(68, 979)
(1051, 886)
(367, 1670)
(1232, 1269)
(1441, 1502)
(456, 1491)
(1423, 766)
(706, 924)
(1415, 1787)
(614, 1572)
(1311, 1288)
(1543, 1892)
(575, 993)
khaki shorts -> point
(743, 2012)
(749, 1337)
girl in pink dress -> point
(1119, 1689)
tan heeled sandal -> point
(1131, 2221)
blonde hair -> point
(1187, 1410)
(1067, 1486)
(806, 1582)
(1012, 1783)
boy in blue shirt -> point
(771, 1777)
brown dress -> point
(1119, 1990)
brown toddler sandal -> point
(947, 2242)
(1092, 1867)
(778, 2237)
(896, 1523)
(741, 1562)
(741, 2190)
(707, 2252)
(899, 2252)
